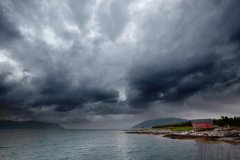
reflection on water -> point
(106, 145)
(218, 151)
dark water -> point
(106, 145)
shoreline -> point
(218, 135)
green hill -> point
(159, 122)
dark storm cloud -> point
(8, 30)
(213, 73)
(54, 90)
(4, 86)
(80, 61)
(212, 65)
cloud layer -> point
(88, 62)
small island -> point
(225, 129)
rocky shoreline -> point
(220, 134)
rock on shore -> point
(221, 134)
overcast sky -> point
(113, 63)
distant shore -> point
(220, 134)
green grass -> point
(176, 128)
(181, 128)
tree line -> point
(223, 121)
(227, 121)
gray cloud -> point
(191, 63)
(8, 31)
(87, 62)
(112, 18)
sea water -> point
(106, 145)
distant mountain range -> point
(28, 125)
(159, 122)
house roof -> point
(202, 121)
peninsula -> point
(218, 130)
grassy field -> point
(181, 128)
(175, 128)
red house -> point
(202, 124)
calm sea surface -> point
(106, 145)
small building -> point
(202, 124)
